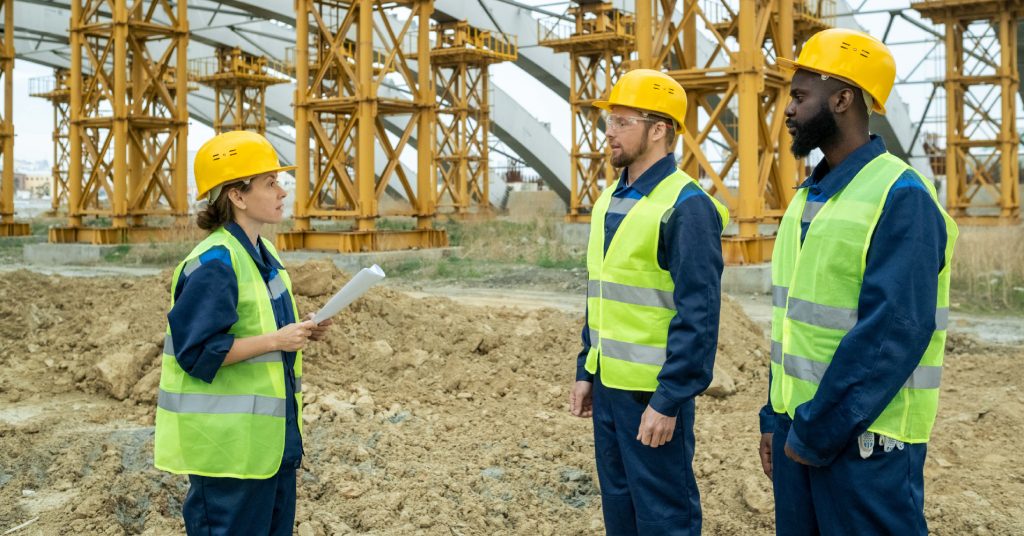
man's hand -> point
(655, 429)
(765, 450)
(318, 331)
(581, 401)
(792, 455)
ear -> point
(657, 131)
(235, 196)
(842, 100)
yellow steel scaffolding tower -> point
(460, 58)
(129, 120)
(740, 136)
(239, 81)
(599, 41)
(57, 90)
(981, 82)
(338, 105)
(8, 227)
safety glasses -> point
(619, 122)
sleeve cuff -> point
(805, 452)
(212, 358)
(583, 376)
(664, 405)
(767, 420)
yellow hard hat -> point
(231, 156)
(650, 90)
(853, 56)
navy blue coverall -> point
(205, 307)
(648, 490)
(843, 493)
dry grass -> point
(988, 268)
(536, 242)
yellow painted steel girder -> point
(982, 163)
(8, 227)
(57, 90)
(239, 81)
(129, 120)
(339, 122)
(742, 140)
(460, 58)
(599, 41)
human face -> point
(627, 132)
(263, 202)
(809, 115)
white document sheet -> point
(366, 278)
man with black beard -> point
(860, 301)
(655, 264)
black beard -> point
(815, 131)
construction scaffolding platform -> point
(460, 57)
(129, 122)
(339, 123)
(981, 82)
(599, 39)
(239, 81)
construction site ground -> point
(436, 406)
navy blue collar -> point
(828, 182)
(650, 179)
(263, 259)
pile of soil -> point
(423, 416)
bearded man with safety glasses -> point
(653, 297)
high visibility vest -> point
(629, 296)
(816, 289)
(235, 426)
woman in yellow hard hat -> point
(229, 412)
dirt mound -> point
(423, 416)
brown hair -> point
(219, 211)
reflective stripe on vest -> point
(809, 370)
(648, 297)
(825, 316)
(221, 404)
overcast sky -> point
(33, 117)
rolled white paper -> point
(366, 278)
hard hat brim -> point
(203, 194)
(603, 105)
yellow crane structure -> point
(599, 40)
(57, 90)
(129, 121)
(460, 58)
(339, 122)
(8, 227)
(981, 84)
(740, 96)
(239, 81)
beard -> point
(626, 159)
(813, 132)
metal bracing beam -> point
(8, 227)
(981, 86)
(57, 90)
